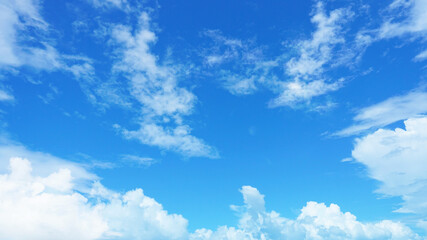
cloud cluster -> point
(51, 208)
(51, 205)
(316, 221)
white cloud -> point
(177, 139)
(16, 16)
(34, 207)
(316, 221)
(142, 161)
(318, 51)
(405, 18)
(414, 19)
(294, 92)
(6, 96)
(21, 28)
(389, 111)
(122, 4)
(44, 164)
(421, 56)
(398, 160)
(245, 61)
(155, 87)
(24, 41)
(304, 79)
(314, 56)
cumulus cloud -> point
(315, 221)
(35, 207)
(155, 87)
(398, 160)
(388, 111)
(43, 164)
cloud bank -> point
(50, 207)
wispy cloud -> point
(18, 40)
(413, 22)
(405, 19)
(314, 56)
(317, 51)
(389, 111)
(154, 86)
(139, 161)
(243, 68)
(6, 96)
(121, 4)
(421, 56)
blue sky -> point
(127, 119)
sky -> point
(213, 120)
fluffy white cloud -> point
(316, 221)
(155, 87)
(398, 160)
(389, 111)
(43, 164)
(35, 207)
